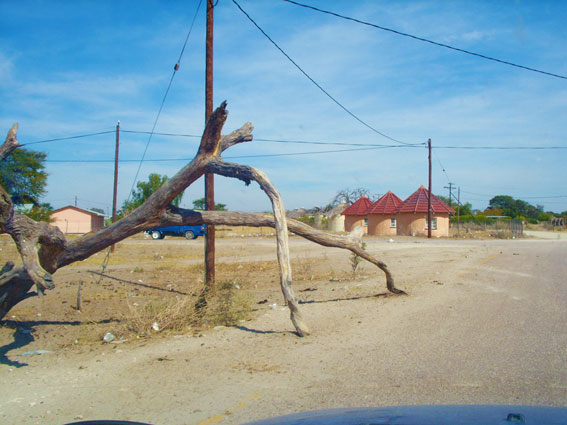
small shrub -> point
(175, 315)
(228, 305)
(307, 219)
(355, 261)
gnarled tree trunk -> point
(44, 249)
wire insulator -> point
(176, 67)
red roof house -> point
(412, 215)
(356, 215)
(382, 215)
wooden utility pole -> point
(209, 177)
(115, 177)
(429, 195)
(450, 187)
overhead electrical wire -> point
(306, 142)
(228, 157)
(468, 52)
(160, 134)
(344, 108)
(67, 138)
(175, 69)
(443, 169)
(523, 197)
(501, 147)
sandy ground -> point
(484, 322)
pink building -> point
(412, 215)
(382, 218)
(355, 215)
(77, 220)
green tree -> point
(40, 212)
(22, 175)
(505, 203)
(98, 210)
(143, 191)
(466, 208)
(516, 208)
(200, 204)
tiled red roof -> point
(360, 207)
(417, 202)
(387, 204)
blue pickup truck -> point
(190, 232)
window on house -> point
(393, 223)
(433, 224)
(365, 222)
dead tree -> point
(44, 249)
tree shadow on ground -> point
(333, 300)
(143, 285)
(23, 335)
(257, 331)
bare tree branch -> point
(10, 143)
(55, 251)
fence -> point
(499, 226)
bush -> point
(175, 315)
(310, 220)
(228, 306)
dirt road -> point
(484, 323)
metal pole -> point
(115, 177)
(209, 177)
(459, 211)
(429, 195)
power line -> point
(523, 197)
(175, 69)
(228, 157)
(303, 142)
(306, 142)
(443, 168)
(344, 108)
(160, 134)
(312, 153)
(67, 138)
(501, 147)
(468, 52)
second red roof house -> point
(382, 218)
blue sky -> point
(72, 68)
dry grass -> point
(226, 306)
(175, 315)
(149, 282)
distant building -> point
(77, 220)
(335, 218)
